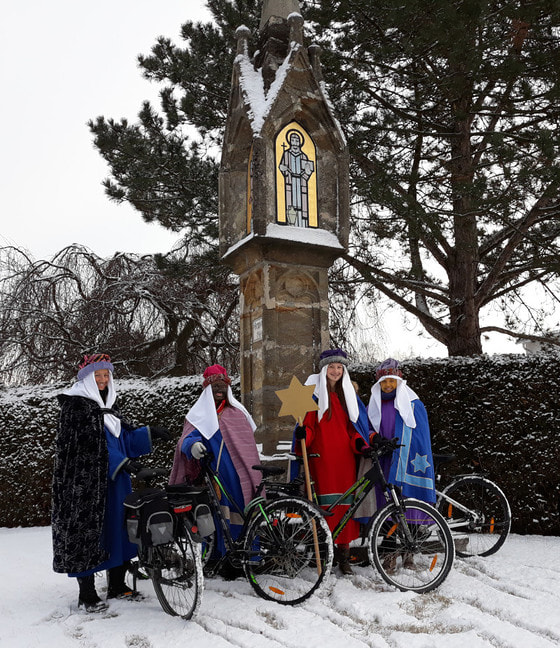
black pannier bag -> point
(148, 517)
(195, 499)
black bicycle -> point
(284, 548)
(163, 523)
(476, 510)
(408, 540)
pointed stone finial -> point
(295, 21)
(278, 9)
(314, 51)
(242, 34)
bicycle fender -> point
(324, 513)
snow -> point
(307, 235)
(509, 600)
(252, 83)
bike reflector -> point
(392, 530)
(276, 590)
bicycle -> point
(405, 529)
(163, 525)
(476, 510)
(284, 548)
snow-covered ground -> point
(509, 600)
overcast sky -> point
(63, 62)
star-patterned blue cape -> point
(412, 467)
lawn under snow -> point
(511, 599)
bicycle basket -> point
(149, 521)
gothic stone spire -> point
(277, 9)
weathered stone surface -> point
(284, 307)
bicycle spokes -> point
(411, 546)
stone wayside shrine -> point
(283, 209)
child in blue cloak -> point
(394, 410)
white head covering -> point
(87, 387)
(203, 415)
(322, 393)
(403, 399)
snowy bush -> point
(496, 412)
(30, 416)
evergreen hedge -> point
(497, 413)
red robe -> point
(334, 471)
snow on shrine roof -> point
(308, 235)
(252, 84)
(260, 102)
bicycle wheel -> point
(177, 575)
(415, 553)
(478, 514)
(288, 551)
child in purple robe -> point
(394, 410)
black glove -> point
(132, 467)
(159, 432)
(300, 432)
(382, 445)
(375, 441)
(360, 445)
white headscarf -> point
(204, 417)
(322, 393)
(87, 387)
(403, 399)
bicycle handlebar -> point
(386, 447)
(148, 474)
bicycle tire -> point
(484, 528)
(425, 560)
(177, 575)
(280, 556)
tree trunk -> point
(464, 327)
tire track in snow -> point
(501, 609)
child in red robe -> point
(338, 432)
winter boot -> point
(88, 596)
(116, 585)
(408, 560)
(344, 560)
(390, 563)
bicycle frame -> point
(440, 495)
(461, 507)
(232, 546)
(361, 489)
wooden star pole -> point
(297, 400)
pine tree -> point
(451, 111)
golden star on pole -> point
(297, 400)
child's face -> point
(101, 378)
(219, 391)
(388, 385)
(334, 372)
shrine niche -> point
(250, 193)
(296, 177)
